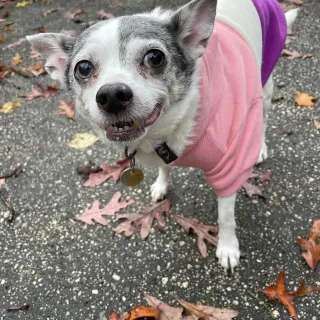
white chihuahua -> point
(188, 88)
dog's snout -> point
(114, 98)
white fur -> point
(160, 188)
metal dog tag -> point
(131, 177)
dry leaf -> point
(34, 54)
(164, 310)
(295, 54)
(208, 313)
(82, 140)
(317, 124)
(2, 182)
(45, 92)
(104, 15)
(107, 172)
(9, 107)
(116, 5)
(1, 38)
(278, 292)
(203, 232)
(16, 60)
(311, 246)
(144, 220)
(141, 312)
(67, 110)
(252, 189)
(93, 213)
(36, 70)
(14, 44)
(23, 4)
(304, 99)
(52, 11)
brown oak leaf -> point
(208, 313)
(277, 291)
(304, 99)
(252, 189)
(16, 60)
(203, 232)
(296, 55)
(67, 109)
(94, 213)
(143, 220)
(104, 15)
(108, 171)
(165, 312)
(311, 245)
(44, 92)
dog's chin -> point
(124, 131)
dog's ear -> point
(193, 24)
(55, 48)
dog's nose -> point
(114, 98)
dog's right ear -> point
(55, 48)
(193, 24)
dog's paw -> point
(228, 251)
(263, 155)
(158, 191)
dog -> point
(189, 87)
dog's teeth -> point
(120, 129)
(126, 128)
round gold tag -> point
(131, 177)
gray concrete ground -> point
(65, 270)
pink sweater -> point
(227, 136)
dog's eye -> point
(154, 59)
(83, 69)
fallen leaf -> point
(33, 95)
(104, 15)
(71, 33)
(1, 38)
(16, 60)
(143, 312)
(295, 54)
(82, 140)
(208, 313)
(203, 232)
(143, 220)
(108, 171)
(311, 245)
(164, 310)
(252, 189)
(94, 213)
(9, 107)
(278, 292)
(304, 99)
(36, 70)
(24, 307)
(116, 5)
(2, 182)
(88, 168)
(113, 316)
(34, 54)
(317, 124)
(296, 1)
(23, 4)
(52, 11)
(67, 109)
(14, 44)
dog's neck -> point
(178, 133)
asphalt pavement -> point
(64, 269)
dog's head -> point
(127, 74)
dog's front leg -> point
(160, 188)
(228, 251)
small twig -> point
(24, 307)
(263, 303)
(15, 172)
(8, 205)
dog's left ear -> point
(193, 25)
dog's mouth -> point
(131, 130)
